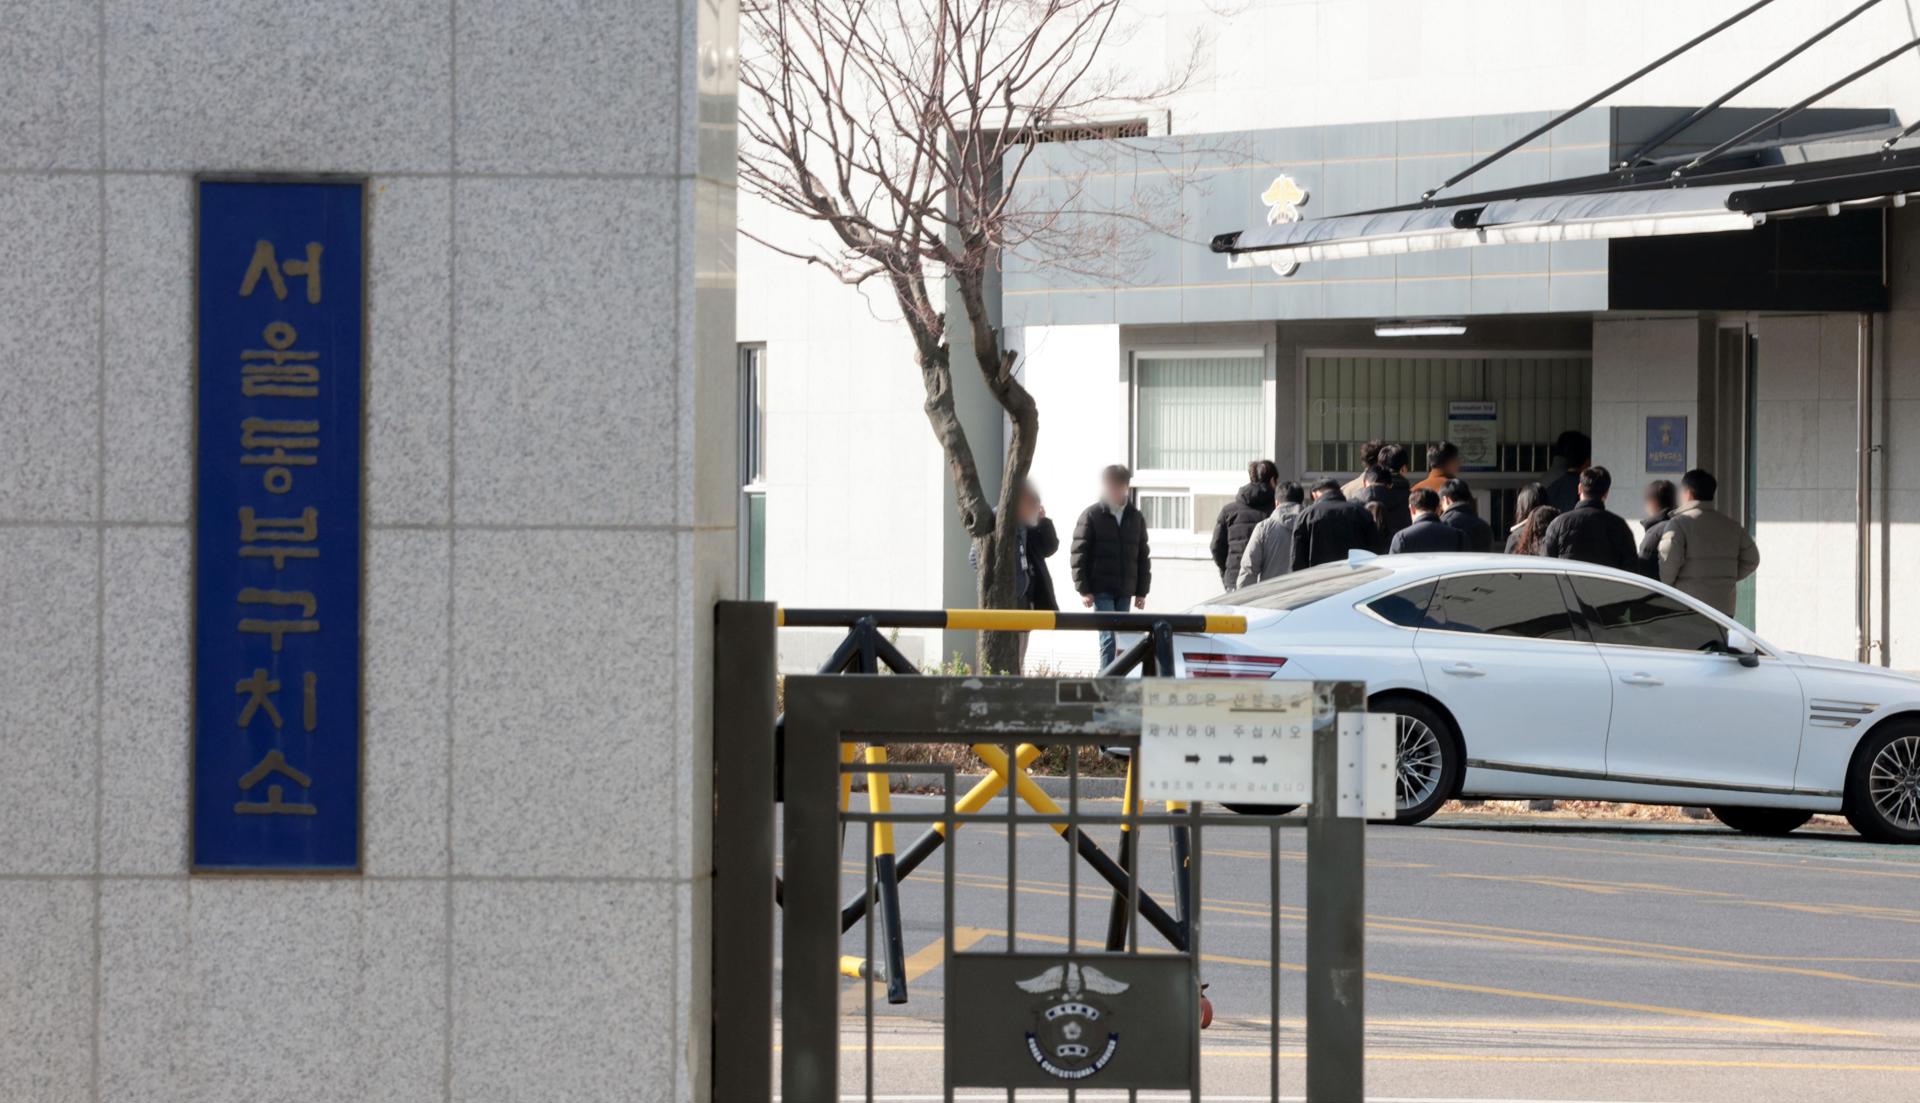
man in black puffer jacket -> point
(1112, 566)
(1588, 532)
(1331, 527)
(1235, 525)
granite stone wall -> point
(550, 514)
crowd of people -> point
(1273, 526)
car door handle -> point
(1639, 679)
(1463, 670)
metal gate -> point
(1053, 1012)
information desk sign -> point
(1251, 742)
(280, 335)
(1247, 742)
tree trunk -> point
(999, 652)
(999, 555)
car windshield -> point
(1291, 591)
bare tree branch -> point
(901, 128)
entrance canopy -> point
(1586, 210)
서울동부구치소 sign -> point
(277, 530)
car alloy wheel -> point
(1893, 782)
(1418, 762)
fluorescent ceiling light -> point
(1420, 327)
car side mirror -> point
(1741, 646)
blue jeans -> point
(1108, 603)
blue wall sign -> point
(277, 537)
(1666, 445)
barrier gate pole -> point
(810, 922)
(1336, 923)
(742, 964)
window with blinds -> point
(1403, 399)
(1199, 413)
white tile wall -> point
(550, 415)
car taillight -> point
(1210, 664)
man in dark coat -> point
(1237, 519)
(1427, 532)
(1457, 509)
(1394, 457)
(1385, 499)
(1588, 532)
(1331, 527)
(1112, 565)
(1575, 450)
(1660, 500)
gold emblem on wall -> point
(1284, 198)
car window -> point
(1527, 604)
(1624, 613)
(1291, 591)
(1406, 608)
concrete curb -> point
(1055, 787)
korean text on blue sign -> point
(1666, 445)
(277, 554)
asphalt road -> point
(1507, 960)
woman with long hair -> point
(1531, 497)
(1533, 530)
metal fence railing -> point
(989, 997)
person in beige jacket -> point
(1704, 553)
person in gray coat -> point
(1703, 552)
(1269, 551)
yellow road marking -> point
(1581, 884)
(1735, 954)
(1849, 911)
(1492, 1058)
(1519, 1025)
(918, 964)
(1651, 852)
(1521, 994)
(1517, 936)
(1095, 890)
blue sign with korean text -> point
(277, 531)
(1666, 445)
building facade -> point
(548, 517)
(1185, 369)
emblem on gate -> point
(1283, 198)
(1069, 1019)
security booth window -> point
(1198, 417)
(753, 472)
(1526, 604)
(1629, 615)
(1504, 410)
(1200, 413)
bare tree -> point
(902, 128)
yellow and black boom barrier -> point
(1011, 620)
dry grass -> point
(1052, 760)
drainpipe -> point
(1863, 489)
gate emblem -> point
(1068, 1019)
(1283, 198)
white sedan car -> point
(1516, 677)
